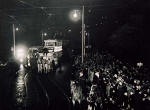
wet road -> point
(26, 90)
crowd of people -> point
(42, 64)
(103, 82)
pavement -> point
(28, 90)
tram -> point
(52, 49)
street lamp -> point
(43, 34)
(21, 52)
(83, 34)
(75, 15)
(17, 29)
(14, 38)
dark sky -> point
(120, 26)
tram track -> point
(44, 90)
(57, 90)
(26, 88)
(36, 94)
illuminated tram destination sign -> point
(53, 45)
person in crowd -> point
(121, 85)
(33, 62)
(53, 65)
(45, 66)
(39, 62)
(49, 64)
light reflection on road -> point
(20, 87)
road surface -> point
(28, 90)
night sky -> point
(120, 26)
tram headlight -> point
(20, 53)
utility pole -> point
(14, 40)
(83, 34)
(42, 39)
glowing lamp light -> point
(20, 53)
(21, 60)
(17, 29)
(139, 64)
(75, 15)
(45, 34)
(125, 93)
(131, 93)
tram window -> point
(50, 44)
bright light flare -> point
(75, 15)
(21, 60)
(45, 34)
(21, 53)
(17, 29)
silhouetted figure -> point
(53, 65)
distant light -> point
(17, 29)
(45, 34)
(21, 60)
(139, 64)
(20, 53)
(75, 15)
(131, 93)
(69, 30)
(125, 93)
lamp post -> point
(83, 35)
(75, 16)
(43, 34)
(42, 38)
(14, 38)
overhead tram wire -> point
(23, 2)
(99, 4)
(95, 7)
(65, 7)
(51, 13)
(103, 7)
(10, 16)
